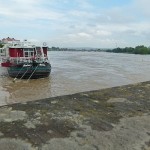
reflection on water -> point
(75, 72)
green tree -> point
(129, 50)
(141, 50)
(137, 50)
(1, 45)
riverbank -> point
(110, 119)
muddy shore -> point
(117, 118)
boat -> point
(25, 60)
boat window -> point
(38, 48)
(28, 52)
(28, 49)
(31, 53)
(2, 50)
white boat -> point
(25, 60)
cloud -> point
(142, 6)
(103, 33)
(27, 10)
(82, 22)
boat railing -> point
(18, 44)
(26, 59)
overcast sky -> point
(77, 23)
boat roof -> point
(24, 44)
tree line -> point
(71, 49)
(137, 50)
(141, 49)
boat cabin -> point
(27, 52)
(20, 53)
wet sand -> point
(116, 118)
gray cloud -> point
(82, 24)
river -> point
(74, 72)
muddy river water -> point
(74, 72)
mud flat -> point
(110, 119)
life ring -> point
(44, 44)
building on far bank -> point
(9, 40)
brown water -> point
(76, 72)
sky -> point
(77, 23)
